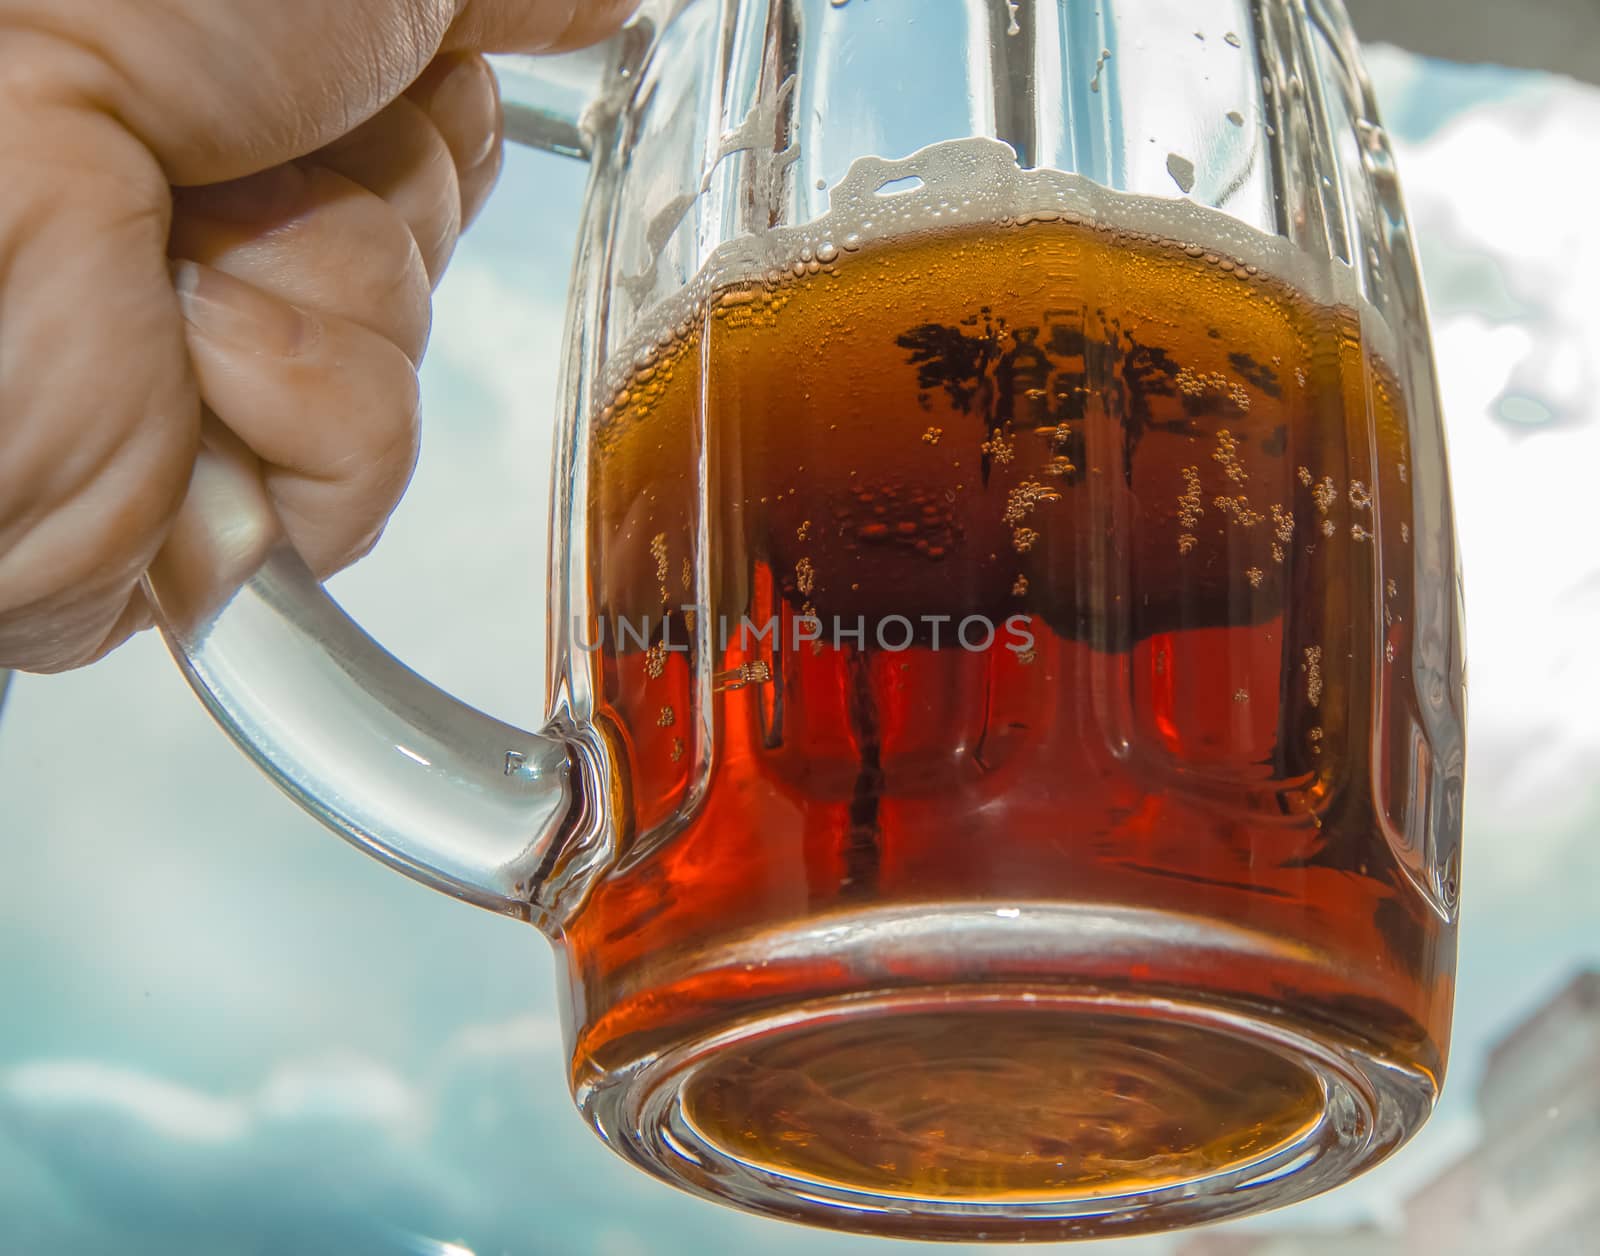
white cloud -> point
(342, 1156)
(305, 1165)
(614, 1241)
(1514, 181)
(525, 1035)
(505, 337)
(1501, 198)
(320, 1158)
(167, 1110)
(341, 1090)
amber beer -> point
(1155, 469)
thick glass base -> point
(1052, 1108)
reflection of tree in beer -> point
(1044, 377)
(965, 366)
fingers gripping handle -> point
(452, 797)
(449, 796)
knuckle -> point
(384, 449)
(335, 507)
(336, 248)
(92, 535)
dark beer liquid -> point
(1191, 483)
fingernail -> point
(273, 194)
(239, 315)
(464, 105)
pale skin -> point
(221, 225)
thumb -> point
(520, 26)
(103, 104)
(219, 91)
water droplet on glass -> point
(1182, 171)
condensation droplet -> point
(1099, 65)
(1182, 171)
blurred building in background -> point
(1531, 1184)
(1353, 1241)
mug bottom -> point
(1049, 1108)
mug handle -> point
(447, 795)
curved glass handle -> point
(450, 796)
(458, 800)
(545, 98)
(548, 100)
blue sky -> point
(225, 1032)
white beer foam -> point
(976, 183)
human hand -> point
(237, 211)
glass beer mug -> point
(1003, 770)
